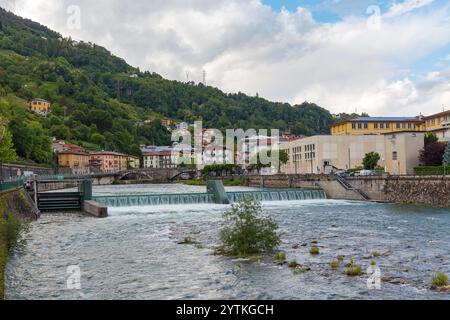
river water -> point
(134, 253)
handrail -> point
(344, 182)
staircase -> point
(344, 182)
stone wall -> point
(418, 190)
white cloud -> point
(397, 9)
(284, 56)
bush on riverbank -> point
(11, 229)
(247, 231)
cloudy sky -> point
(383, 57)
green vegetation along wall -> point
(100, 102)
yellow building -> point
(120, 161)
(133, 162)
(40, 106)
(377, 125)
(439, 124)
(78, 162)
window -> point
(409, 125)
(375, 125)
(381, 125)
(359, 125)
(353, 126)
(366, 126)
(394, 155)
(398, 125)
(388, 125)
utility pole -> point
(204, 77)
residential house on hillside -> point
(61, 145)
(40, 106)
(167, 122)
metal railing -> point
(348, 186)
(12, 184)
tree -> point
(446, 157)
(7, 152)
(370, 161)
(430, 137)
(433, 154)
(247, 231)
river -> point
(134, 253)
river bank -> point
(16, 209)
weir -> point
(201, 198)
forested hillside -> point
(99, 101)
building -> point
(253, 145)
(133, 162)
(440, 125)
(167, 122)
(77, 162)
(159, 159)
(61, 145)
(40, 107)
(102, 161)
(377, 125)
(120, 161)
(402, 151)
(399, 152)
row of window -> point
(438, 121)
(382, 126)
(309, 152)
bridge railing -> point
(62, 177)
(12, 184)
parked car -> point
(369, 173)
(185, 176)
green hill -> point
(99, 101)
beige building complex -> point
(399, 152)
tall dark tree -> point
(432, 154)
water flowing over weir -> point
(199, 198)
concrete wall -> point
(331, 186)
(402, 151)
(95, 209)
